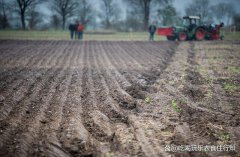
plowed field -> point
(112, 98)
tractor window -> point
(193, 22)
(198, 22)
(186, 22)
(190, 22)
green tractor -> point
(192, 29)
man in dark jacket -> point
(152, 29)
(72, 28)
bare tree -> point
(200, 7)
(3, 15)
(133, 22)
(34, 18)
(110, 12)
(168, 15)
(85, 12)
(223, 12)
(55, 22)
(23, 6)
(143, 8)
(146, 8)
(64, 8)
(236, 21)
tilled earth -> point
(93, 98)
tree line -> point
(139, 13)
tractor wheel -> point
(182, 36)
(171, 38)
(200, 34)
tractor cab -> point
(190, 22)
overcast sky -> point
(179, 4)
(182, 4)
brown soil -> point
(93, 98)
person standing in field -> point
(80, 29)
(72, 28)
(152, 29)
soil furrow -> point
(52, 116)
(15, 53)
(89, 124)
(155, 55)
(138, 54)
(18, 58)
(155, 49)
(52, 102)
(134, 54)
(89, 104)
(106, 104)
(29, 131)
(109, 98)
(114, 88)
(14, 96)
(72, 134)
(30, 60)
(121, 63)
(115, 96)
(15, 117)
(19, 72)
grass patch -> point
(230, 87)
(91, 35)
(223, 136)
(203, 71)
(218, 58)
(231, 35)
(175, 106)
(234, 69)
(65, 35)
(147, 100)
(110, 154)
